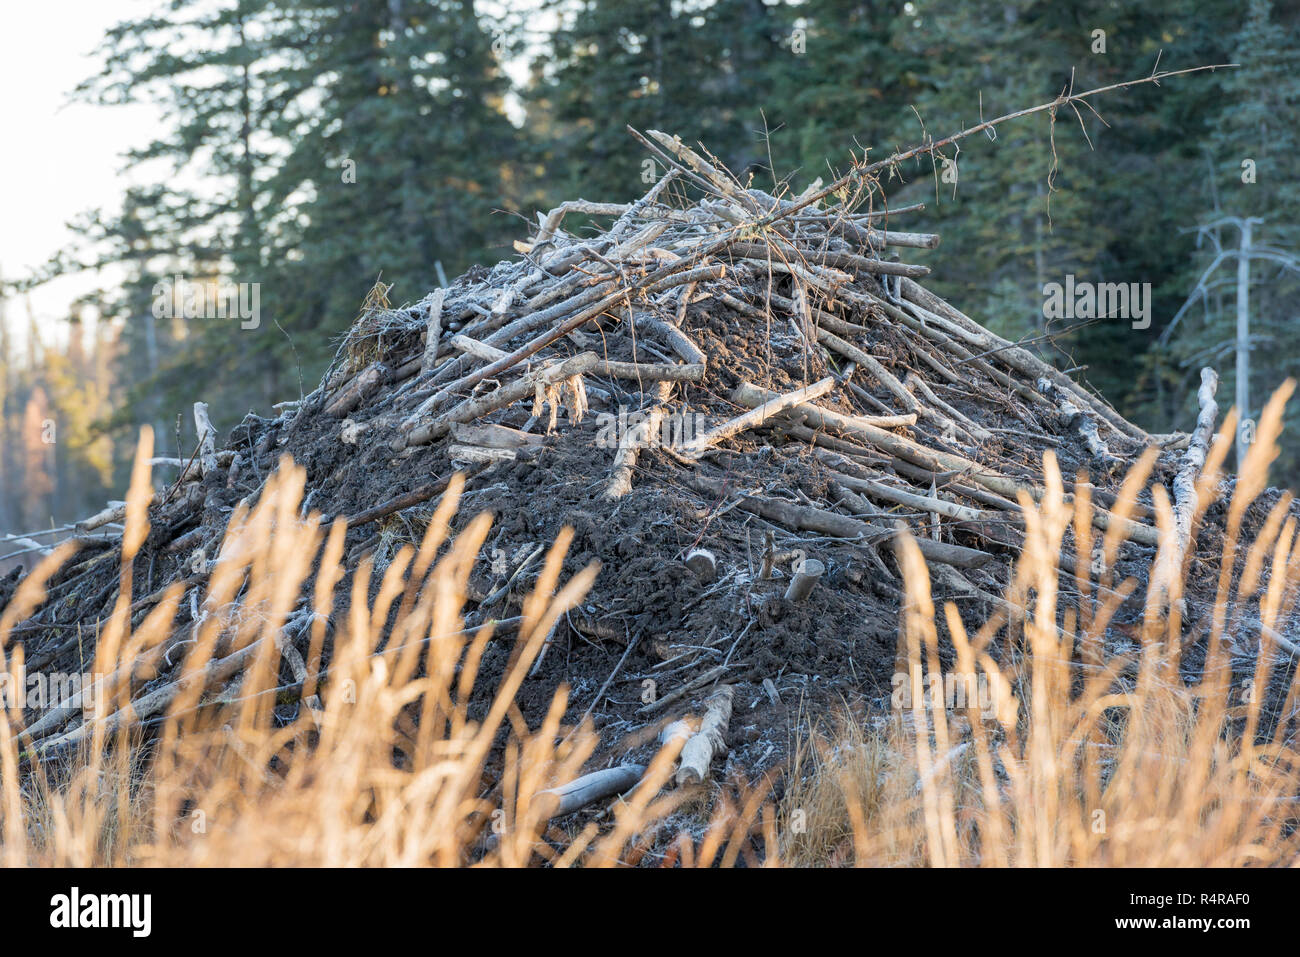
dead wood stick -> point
(633, 441)
(854, 231)
(722, 182)
(363, 385)
(600, 692)
(27, 545)
(747, 309)
(493, 436)
(671, 273)
(948, 343)
(551, 222)
(864, 171)
(1186, 497)
(672, 336)
(207, 439)
(700, 749)
(810, 519)
(478, 454)
(151, 703)
(769, 553)
(948, 481)
(951, 415)
(703, 563)
(588, 789)
(114, 513)
(937, 460)
(834, 323)
(784, 208)
(432, 331)
(855, 503)
(697, 682)
(1023, 361)
(875, 237)
(954, 329)
(521, 388)
(826, 279)
(406, 500)
(697, 274)
(825, 440)
(825, 321)
(537, 318)
(835, 260)
(952, 579)
(872, 365)
(926, 503)
(224, 458)
(103, 687)
(806, 575)
(479, 350)
(885, 213)
(756, 416)
(1083, 423)
(639, 208)
(649, 372)
(816, 416)
(926, 352)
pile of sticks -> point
(722, 335)
(579, 320)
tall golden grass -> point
(1078, 757)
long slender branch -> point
(860, 171)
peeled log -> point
(757, 415)
(365, 384)
(807, 518)
(207, 439)
(115, 512)
(704, 563)
(587, 789)
(630, 446)
(493, 436)
(433, 331)
(1185, 495)
(933, 459)
(699, 751)
(806, 576)
(1072, 416)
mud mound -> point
(736, 401)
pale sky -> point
(57, 159)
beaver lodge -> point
(744, 407)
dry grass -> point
(1076, 757)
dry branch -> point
(633, 442)
(809, 519)
(939, 461)
(700, 749)
(806, 575)
(587, 790)
(756, 416)
(1186, 495)
(207, 439)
